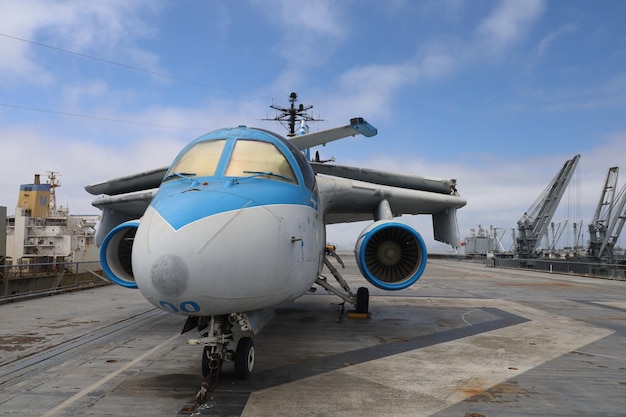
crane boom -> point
(608, 220)
(616, 226)
(533, 225)
(600, 223)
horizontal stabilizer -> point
(412, 182)
(357, 126)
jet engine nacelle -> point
(116, 251)
(391, 255)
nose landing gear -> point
(216, 335)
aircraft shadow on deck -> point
(311, 341)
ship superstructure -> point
(40, 232)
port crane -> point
(533, 225)
(609, 218)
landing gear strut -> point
(216, 335)
(360, 300)
(242, 357)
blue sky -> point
(497, 94)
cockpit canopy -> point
(240, 153)
(199, 160)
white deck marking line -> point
(110, 376)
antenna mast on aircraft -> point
(288, 116)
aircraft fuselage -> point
(238, 260)
(234, 227)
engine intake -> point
(116, 253)
(391, 255)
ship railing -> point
(22, 281)
(614, 270)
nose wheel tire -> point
(244, 358)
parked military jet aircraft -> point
(236, 225)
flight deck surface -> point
(466, 339)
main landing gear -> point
(360, 300)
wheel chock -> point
(352, 314)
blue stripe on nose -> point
(181, 203)
(190, 206)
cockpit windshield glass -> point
(262, 159)
(199, 161)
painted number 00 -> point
(185, 307)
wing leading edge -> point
(346, 200)
(412, 182)
(128, 184)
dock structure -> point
(536, 236)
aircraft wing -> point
(126, 198)
(345, 200)
(357, 126)
(413, 182)
(131, 204)
(120, 208)
(129, 183)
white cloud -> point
(76, 26)
(101, 24)
(553, 37)
(92, 90)
(508, 23)
(321, 18)
(17, 64)
(594, 94)
(310, 32)
(369, 89)
(437, 65)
